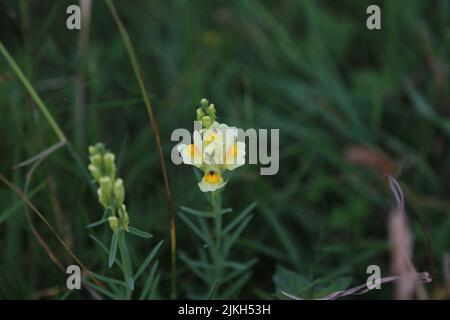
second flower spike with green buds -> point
(111, 192)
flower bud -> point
(105, 191)
(200, 114)
(207, 122)
(204, 102)
(113, 223)
(96, 160)
(102, 197)
(119, 191)
(94, 172)
(212, 111)
(109, 166)
(106, 184)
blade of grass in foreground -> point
(43, 108)
(154, 126)
(48, 116)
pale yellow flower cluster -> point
(214, 150)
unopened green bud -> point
(92, 150)
(102, 197)
(207, 121)
(212, 111)
(200, 114)
(119, 191)
(106, 184)
(113, 223)
(94, 172)
(109, 166)
(96, 160)
(105, 191)
(204, 102)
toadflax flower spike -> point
(215, 149)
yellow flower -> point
(212, 180)
(235, 155)
(192, 153)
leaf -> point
(66, 294)
(292, 283)
(125, 257)
(139, 233)
(230, 275)
(333, 286)
(113, 250)
(149, 281)
(100, 289)
(127, 264)
(199, 213)
(107, 279)
(152, 294)
(234, 289)
(240, 217)
(201, 269)
(204, 214)
(194, 228)
(105, 249)
(7, 213)
(235, 235)
(212, 291)
(148, 260)
(225, 210)
(239, 265)
(424, 109)
(97, 223)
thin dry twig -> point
(154, 126)
(402, 248)
(24, 198)
(422, 277)
(41, 155)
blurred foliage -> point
(310, 68)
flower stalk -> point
(111, 195)
(215, 151)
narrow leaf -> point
(113, 250)
(240, 217)
(193, 228)
(149, 281)
(97, 223)
(237, 232)
(139, 233)
(197, 212)
(148, 260)
(107, 279)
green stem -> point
(218, 235)
(126, 262)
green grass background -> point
(310, 68)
